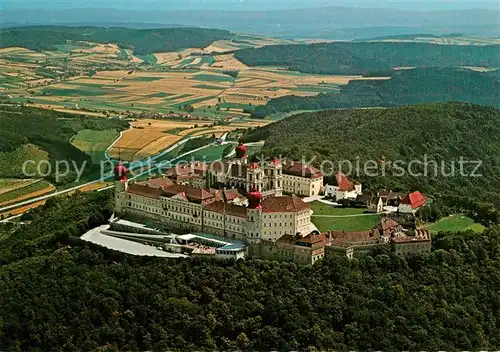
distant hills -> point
(325, 22)
(413, 86)
(365, 57)
(142, 41)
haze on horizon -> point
(246, 5)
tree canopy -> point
(59, 292)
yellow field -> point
(149, 137)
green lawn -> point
(456, 223)
(347, 223)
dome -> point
(254, 199)
(120, 172)
(241, 151)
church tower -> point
(121, 185)
(275, 175)
(254, 215)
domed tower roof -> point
(241, 151)
(120, 172)
(254, 199)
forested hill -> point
(142, 41)
(35, 134)
(444, 132)
(412, 86)
(363, 57)
(59, 293)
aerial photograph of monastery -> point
(236, 209)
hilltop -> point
(366, 57)
(43, 136)
(405, 87)
(443, 132)
(141, 41)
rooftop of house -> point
(341, 237)
(284, 204)
(155, 189)
(300, 169)
(313, 238)
(195, 167)
(420, 236)
(387, 223)
(343, 183)
(227, 208)
(415, 200)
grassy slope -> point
(456, 223)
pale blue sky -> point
(245, 4)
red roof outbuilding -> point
(415, 200)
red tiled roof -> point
(276, 161)
(284, 204)
(195, 167)
(230, 209)
(414, 199)
(304, 170)
(387, 223)
(193, 194)
(342, 237)
(311, 238)
(420, 236)
(343, 183)
(253, 166)
(145, 191)
(157, 182)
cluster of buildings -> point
(235, 208)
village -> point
(235, 208)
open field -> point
(94, 143)
(32, 190)
(148, 137)
(11, 184)
(456, 223)
(342, 219)
(139, 91)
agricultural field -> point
(456, 223)
(342, 219)
(209, 92)
(33, 189)
(148, 137)
(10, 184)
(95, 143)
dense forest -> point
(60, 293)
(49, 130)
(419, 85)
(142, 41)
(444, 132)
(363, 57)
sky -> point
(245, 5)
